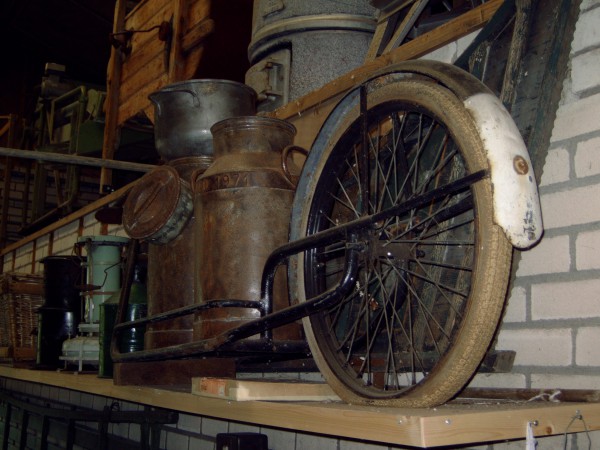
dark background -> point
(75, 33)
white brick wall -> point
(538, 347)
(586, 352)
(585, 71)
(587, 32)
(552, 319)
(587, 160)
(571, 207)
(544, 259)
(552, 381)
(587, 248)
(557, 167)
(577, 118)
(587, 4)
(553, 315)
(555, 301)
(63, 242)
(516, 307)
(499, 380)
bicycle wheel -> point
(432, 281)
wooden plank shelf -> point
(459, 422)
(272, 390)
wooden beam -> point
(62, 158)
(377, 40)
(4, 129)
(196, 35)
(176, 60)
(8, 162)
(268, 390)
(550, 395)
(426, 43)
(33, 256)
(516, 52)
(112, 131)
(8, 165)
(113, 196)
(407, 23)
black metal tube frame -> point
(232, 341)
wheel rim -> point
(416, 273)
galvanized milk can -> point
(243, 205)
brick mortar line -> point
(562, 143)
(552, 324)
(558, 277)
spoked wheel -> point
(432, 281)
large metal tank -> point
(298, 46)
(243, 204)
(159, 209)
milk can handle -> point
(284, 157)
(153, 96)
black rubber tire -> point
(374, 323)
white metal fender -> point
(515, 196)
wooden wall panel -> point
(149, 63)
(147, 67)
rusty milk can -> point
(159, 208)
(243, 202)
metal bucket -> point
(243, 205)
(297, 47)
(185, 111)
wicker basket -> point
(20, 297)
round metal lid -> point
(151, 203)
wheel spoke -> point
(401, 167)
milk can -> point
(159, 209)
(243, 205)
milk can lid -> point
(152, 202)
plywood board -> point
(244, 390)
(451, 424)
